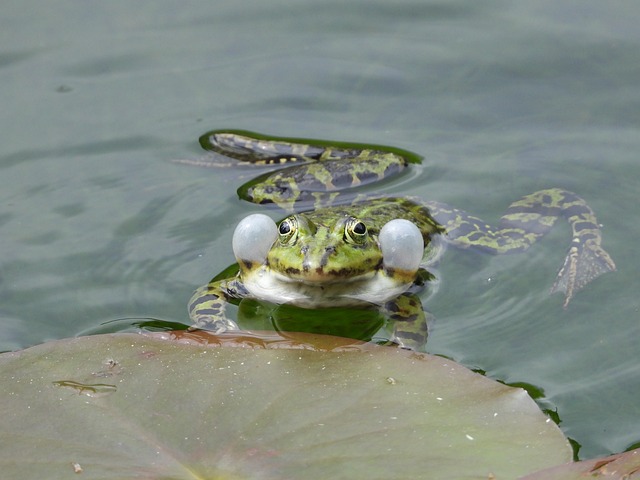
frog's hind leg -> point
(527, 220)
(256, 149)
(310, 173)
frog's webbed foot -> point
(584, 262)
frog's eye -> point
(284, 228)
(254, 237)
(288, 230)
(355, 231)
(402, 245)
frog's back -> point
(377, 211)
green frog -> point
(336, 249)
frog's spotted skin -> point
(332, 253)
(524, 222)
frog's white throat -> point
(376, 288)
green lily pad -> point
(161, 407)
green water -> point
(501, 98)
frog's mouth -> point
(319, 276)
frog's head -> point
(327, 250)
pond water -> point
(501, 98)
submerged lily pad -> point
(137, 406)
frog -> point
(339, 248)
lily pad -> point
(625, 466)
(240, 407)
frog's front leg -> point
(410, 321)
(208, 304)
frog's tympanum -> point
(335, 250)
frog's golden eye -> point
(355, 231)
(288, 230)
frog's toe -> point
(584, 263)
(225, 325)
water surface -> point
(501, 98)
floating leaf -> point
(136, 406)
(624, 466)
